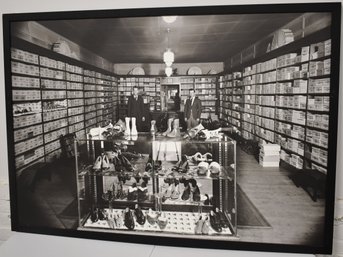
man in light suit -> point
(192, 110)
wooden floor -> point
(293, 216)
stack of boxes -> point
(270, 155)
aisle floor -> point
(293, 216)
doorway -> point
(170, 97)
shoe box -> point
(26, 95)
(89, 80)
(50, 73)
(24, 56)
(90, 115)
(293, 116)
(299, 87)
(90, 108)
(99, 112)
(320, 68)
(290, 130)
(292, 159)
(269, 155)
(50, 157)
(286, 60)
(74, 77)
(265, 100)
(56, 94)
(53, 84)
(89, 87)
(90, 94)
(26, 133)
(24, 108)
(74, 69)
(318, 103)
(265, 134)
(90, 101)
(27, 145)
(269, 77)
(18, 81)
(265, 123)
(76, 127)
(25, 69)
(266, 89)
(287, 73)
(49, 126)
(48, 137)
(75, 111)
(319, 85)
(317, 137)
(248, 126)
(74, 86)
(283, 88)
(29, 157)
(297, 101)
(248, 117)
(90, 122)
(249, 99)
(26, 120)
(52, 146)
(320, 49)
(75, 119)
(75, 94)
(318, 120)
(265, 111)
(291, 144)
(319, 155)
(50, 63)
(319, 168)
(54, 115)
(54, 105)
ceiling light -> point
(168, 71)
(168, 57)
(169, 19)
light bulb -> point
(169, 19)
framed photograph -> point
(210, 127)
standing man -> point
(192, 110)
(136, 108)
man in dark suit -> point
(136, 108)
(192, 110)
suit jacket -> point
(135, 107)
(195, 109)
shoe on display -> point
(110, 220)
(101, 214)
(186, 193)
(176, 192)
(142, 192)
(134, 131)
(195, 190)
(132, 193)
(169, 129)
(129, 222)
(121, 124)
(162, 221)
(205, 227)
(215, 222)
(94, 215)
(127, 126)
(140, 217)
(215, 168)
(198, 226)
(153, 128)
(119, 220)
(222, 218)
(152, 217)
(146, 177)
(194, 131)
(208, 200)
(211, 133)
(97, 163)
(203, 168)
(176, 129)
(182, 166)
(105, 162)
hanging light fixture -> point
(168, 71)
(169, 19)
(168, 57)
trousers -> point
(191, 122)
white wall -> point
(18, 6)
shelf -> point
(24, 62)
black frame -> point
(333, 8)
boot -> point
(170, 121)
(176, 129)
(127, 126)
(134, 131)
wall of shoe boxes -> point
(53, 98)
(284, 100)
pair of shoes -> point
(215, 168)
(182, 166)
(172, 191)
(101, 162)
(176, 129)
(198, 157)
(191, 133)
(191, 189)
(202, 226)
(140, 217)
(207, 134)
(114, 220)
(132, 192)
(142, 192)
(129, 221)
(218, 220)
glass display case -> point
(167, 186)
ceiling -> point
(206, 38)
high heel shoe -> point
(140, 218)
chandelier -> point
(168, 71)
(168, 57)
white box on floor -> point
(269, 164)
(269, 158)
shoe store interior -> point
(206, 126)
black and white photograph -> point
(179, 126)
